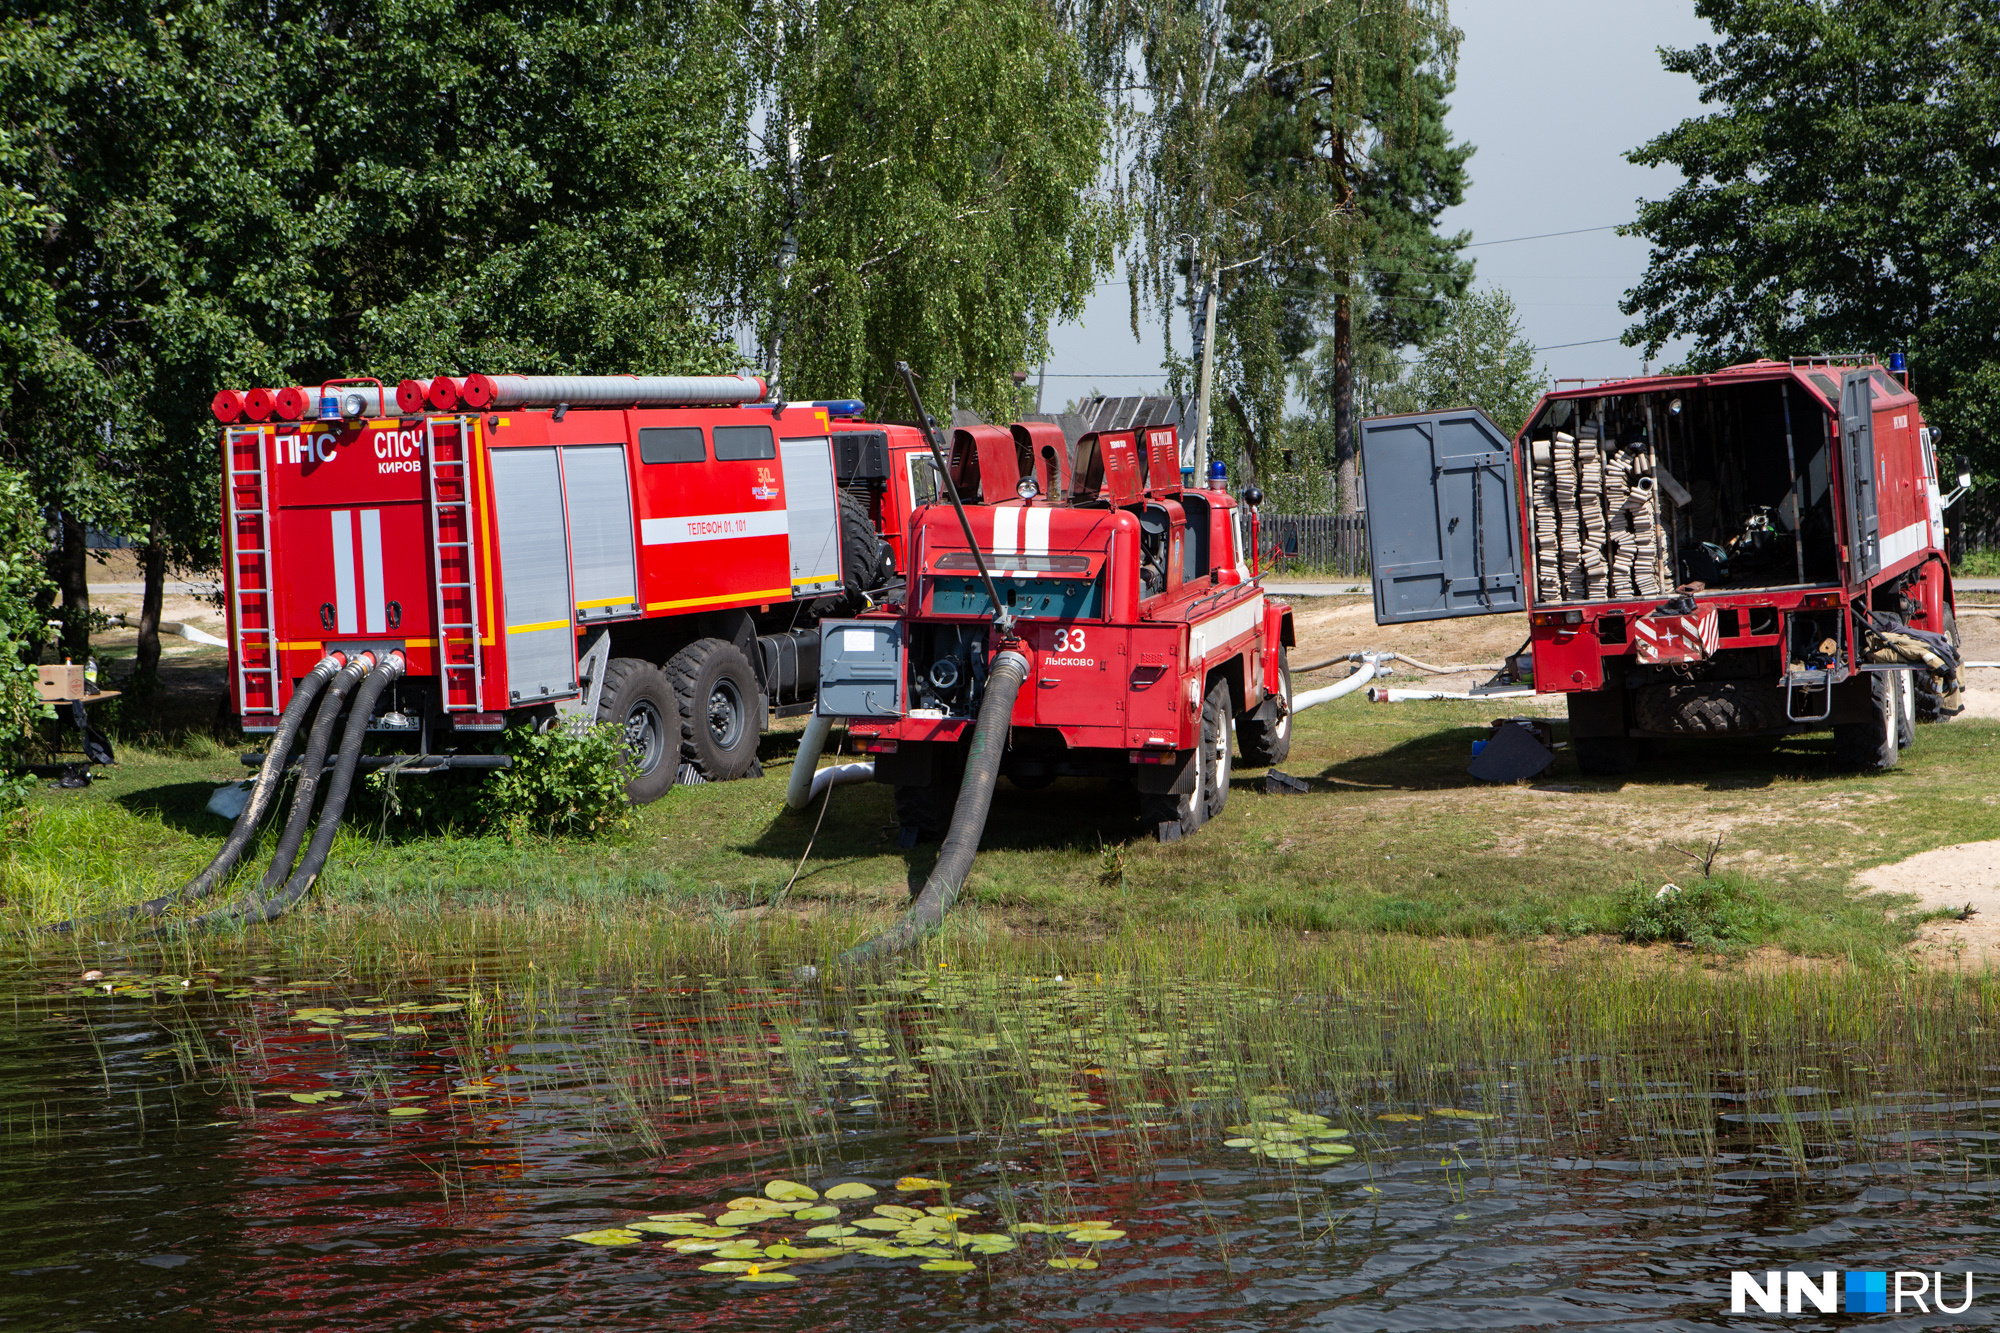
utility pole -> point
(1206, 389)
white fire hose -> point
(1371, 666)
(809, 782)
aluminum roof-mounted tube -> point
(1372, 665)
(503, 391)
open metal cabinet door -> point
(1859, 481)
(1443, 527)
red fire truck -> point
(1743, 552)
(1146, 633)
(650, 551)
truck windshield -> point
(1039, 599)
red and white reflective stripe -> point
(350, 609)
(1023, 531)
(1677, 638)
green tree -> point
(1273, 146)
(1845, 194)
(931, 194)
(1477, 358)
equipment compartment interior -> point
(1641, 495)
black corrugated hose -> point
(968, 822)
(305, 793)
(262, 792)
(261, 908)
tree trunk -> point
(149, 606)
(1253, 450)
(1345, 477)
(72, 577)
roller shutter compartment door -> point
(597, 493)
(534, 570)
(813, 510)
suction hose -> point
(311, 765)
(809, 782)
(968, 821)
(1372, 665)
(262, 792)
(260, 908)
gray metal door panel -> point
(597, 492)
(534, 569)
(860, 668)
(1857, 456)
(813, 513)
(1443, 526)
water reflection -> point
(412, 1155)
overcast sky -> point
(1552, 93)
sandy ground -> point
(1960, 878)
(123, 567)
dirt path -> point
(1963, 876)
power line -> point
(1543, 236)
(1589, 342)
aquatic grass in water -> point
(1105, 1115)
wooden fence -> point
(1315, 543)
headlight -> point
(1027, 489)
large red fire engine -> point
(654, 552)
(1754, 551)
(1146, 633)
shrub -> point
(1720, 913)
(562, 781)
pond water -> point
(935, 1152)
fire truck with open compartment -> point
(1755, 551)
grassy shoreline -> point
(1393, 839)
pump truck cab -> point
(1146, 635)
(1757, 551)
(650, 551)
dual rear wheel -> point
(704, 709)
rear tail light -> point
(1557, 618)
(259, 404)
(1821, 601)
(445, 393)
(293, 404)
(876, 745)
(411, 395)
(1152, 756)
(227, 405)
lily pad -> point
(897, 1210)
(909, 1184)
(694, 1245)
(609, 1236)
(729, 1266)
(852, 1189)
(818, 1213)
(791, 1189)
(879, 1224)
(1093, 1235)
(408, 1110)
(762, 1276)
(689, 1216)
(1452, 1113)
(947, 1266)
(1398, 1115)
(1072, 1263)
(744, 1219)
(829, 1232)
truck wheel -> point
(1265, 743)
(1870, 743)
(1215, 735)
(638, 698)
(720, 708)
(1172, 815)
(1709, 708)
(1939, 700)
(860, 549)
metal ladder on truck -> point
(251, 607)
(454, 568)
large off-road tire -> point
(1215, 735)
(1937, 699)
(860, 549)
(1872, 742)
(924, 813)
(720, 709)
(1173, 815)
(1270, 742)
(638, 698)
(1709, 707)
